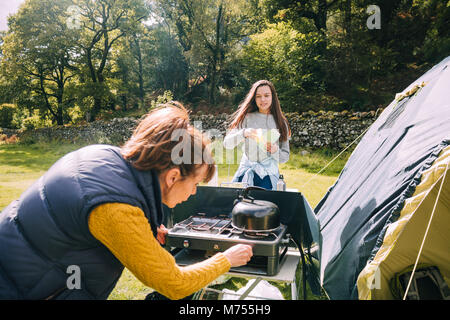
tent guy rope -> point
(329, 163)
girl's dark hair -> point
(249, 105)
(156, 136)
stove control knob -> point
(287, 239)
(216, 247)
(186, 243)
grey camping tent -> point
(371, 223)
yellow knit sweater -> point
(125, 231)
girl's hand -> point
(161, 234)
(272, 147)
(239, 254)
(251, 133)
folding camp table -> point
(287, 274)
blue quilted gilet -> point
(46, 230)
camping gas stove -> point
(199, 237)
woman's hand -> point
(161, 236)
(239, 254)
(272, 147)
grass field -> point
(21, 165)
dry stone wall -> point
(311, 130)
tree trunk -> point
(347, 6)
(216, 56)
(90, 65)
(321, 16)
(140, 73)
(90, 116)
(212, 84)
(47, 103)
(59, 112)
(60, 96)
(124, 101)
(96, 108)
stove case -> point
(296, 216)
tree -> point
(128, 67)
(166, 64)
(37, 56)
(103, 23)
(288, 10)
(147, 63)
(208, 30)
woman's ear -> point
(172, 176)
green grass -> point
(129, 288)
(21, 165)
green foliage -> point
(319, 54)
(98, 40)
(290, 59)
(167, 67)
(34, 120)
(76, 114)
(208, 31)
(38, 53)
(167, 96)
(436, 38)
(7, 115)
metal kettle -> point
(249, 214)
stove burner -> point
(208, 225)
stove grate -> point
(221, 225)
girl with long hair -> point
(264, 131)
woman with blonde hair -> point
(99, 209)
(260, 125)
